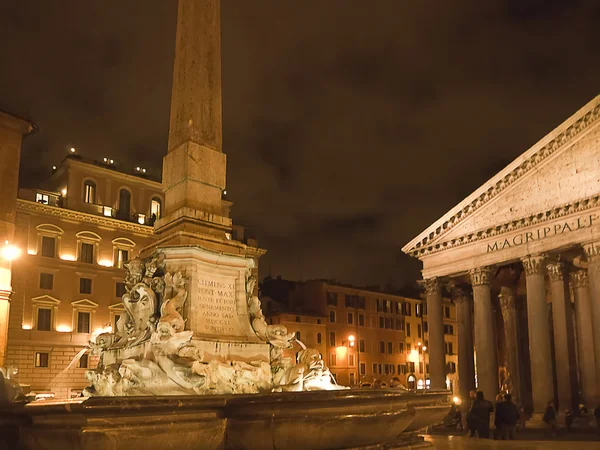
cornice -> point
(513, 225)
(510, 175)
(28, 207)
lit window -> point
(141, 219)
(41, 359)
(107, 211)
(89, 192)
(155, 208)
(42, 198)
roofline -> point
(133, 178)
(500, 175)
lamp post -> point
(352, 343)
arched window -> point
(124, 204)
(155, 208)
(89, 192)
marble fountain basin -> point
(303, 420)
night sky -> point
(350, 126)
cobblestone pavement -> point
(465, 443)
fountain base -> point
(294, 420)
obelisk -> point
(12, 131)
(194, 170)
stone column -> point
(487, 368)
(539, 333)
(464, 322)
(592, 251)
(435, 320)
(12, 131)
(585, 337)
(562, 323)
(510, 319)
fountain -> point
(192, 362)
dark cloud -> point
(349, 127)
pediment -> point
(562, 169)
(84, 303)
(46, 300)
(117, 307)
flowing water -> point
(76, 358)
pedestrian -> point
(471, 421)
(481, 410)
(510, 417)
(568, 419)
(498, 417)
(550, 419)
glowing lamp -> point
(424, 348)
(26, 326)
(107, 211)
(31, 252)
(64, 192)
(72, 149)
(98, 331)
(105, 263)
(63, 329)
(10, 252)
(67, 257)
(456, 401)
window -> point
(408, 309)
(87, 253)
(401, 347)
(381, 346)
(332, 338)
(361, 346)
(379, 369)
(48, 246)
(350, 319)
(408, 329)
(361, 320)
(351, 360)
(426, 368)
(374, 368)
(352, 379)
(425, 327)
(122, 257)
(386, 369)
(332, 298)
(120, 289)
(41, 359)
(419, 333)
(361, 303)
(331, 316)
(89, 192)
(124, 205)
(115, 321)
(402, 369)
(46, 281)
(388, 306)
(83, 322)
(42, 198)
(155, 208)
(448, 329)
(410, 366)
(349, 301)
(449, 349)
(421, 368)
(298, 319)
(447, 312)
(44, 319)
(83, 361)
(379, 305)
(297, 335)
(85, 285)
(363, 369)
(400, 324)
(388, 323)
(381, 322)
(390, 348)
(419, 310)
(318, 338)
(332, 359)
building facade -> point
(364, 334)
(78, 233)
(522, 258)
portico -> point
(528, 244)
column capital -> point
(459, 291)
(481, 276)
(432, 286)
(592, 251)
(579, 278)
(533, 264)
(507, 298)
(556, 271)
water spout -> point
(76, 358)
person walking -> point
(498, 417)
(481, 410)
(510, 418)
(471, 421)
(550, 419)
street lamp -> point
(9, 251)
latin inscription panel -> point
(215, 305)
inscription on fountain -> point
(216, 306)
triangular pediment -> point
(562, 169)
(84, 303)
(46, 300)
